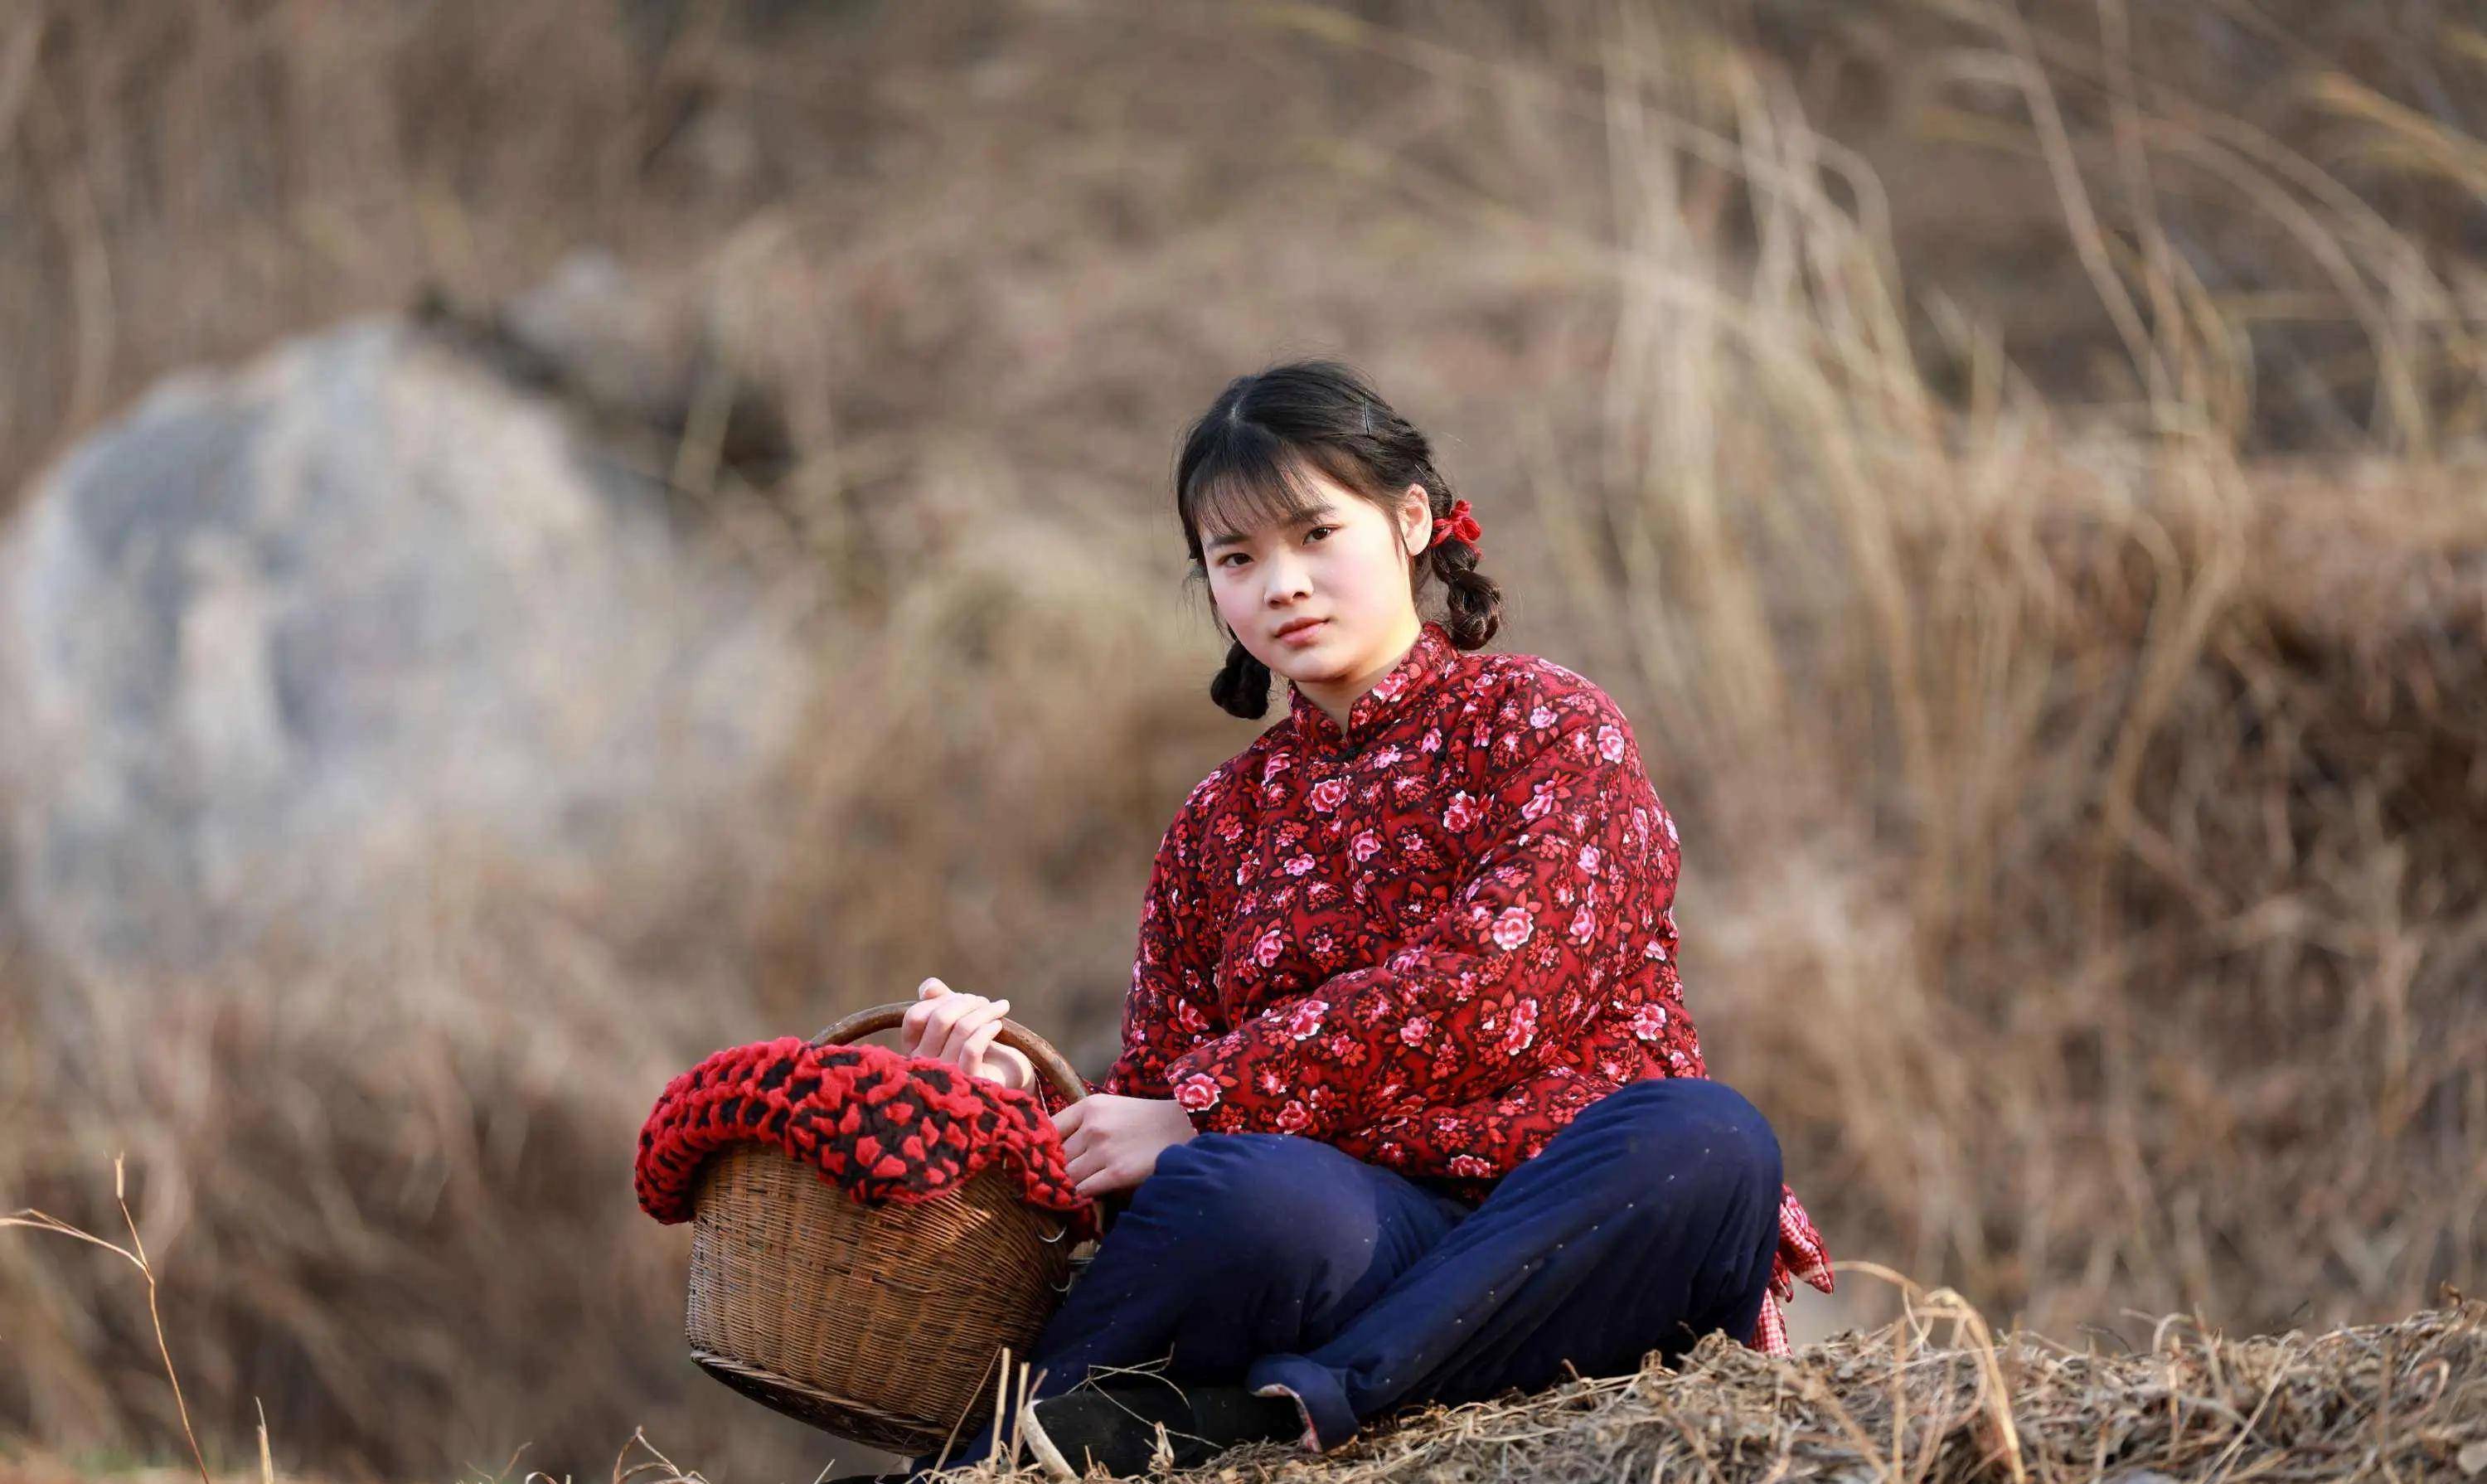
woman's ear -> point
(1417, 520)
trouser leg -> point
(1648, 1221)
(1238, 1246)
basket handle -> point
(1049, 1063)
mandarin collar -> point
(1405, 680)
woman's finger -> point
(941, 1037)
(911, 1025)
(970, 1047)
(958, 1028)
(1067, 1120)
(971, 1054)
(985, 1021)
(937, 1016)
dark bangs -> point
(1242, 478)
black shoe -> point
(1124, 1422)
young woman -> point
(1409, 1106)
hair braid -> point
(1243, 687)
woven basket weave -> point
(881, 1322)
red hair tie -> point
(1458, 525)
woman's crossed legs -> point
(1281, 1262)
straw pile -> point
(1933, 1397)
(2402, 1401)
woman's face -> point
(1345, 565)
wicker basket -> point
(881, 1322)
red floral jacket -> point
(1429, 941)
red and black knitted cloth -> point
(881, 1125)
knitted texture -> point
(879, 1124)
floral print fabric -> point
(1430, 938)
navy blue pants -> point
(1275, 1260)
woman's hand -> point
(1113, 1142)
(958, 1028)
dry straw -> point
(1937, 1397)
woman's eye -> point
(1236, 556)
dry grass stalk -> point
(135, 1254)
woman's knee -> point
(1676, 1130)
(1263, 1202)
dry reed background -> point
(2021, 474)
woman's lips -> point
(1306, 633)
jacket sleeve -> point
(1170, 1003)
(1574, 871)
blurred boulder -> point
(641, 358)
(280, 636)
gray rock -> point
(275, 638)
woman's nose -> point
(1283, 577)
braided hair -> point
(1246, 456)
